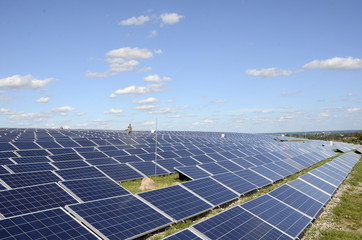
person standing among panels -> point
(129, 129)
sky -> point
(226, 66)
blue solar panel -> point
(68, 143)
(176, 202)
(123, 217)
(148, 157)
(134, 151)
(92, 155)
(31, 199)
(211, 156)
(213, 168)
(319, 183)
(310, 190)
(58, 151)
(70, 164)
(3, 170)
(116, 153)
(267, 173)
(2, 187)
(169, 164)
(227, 155)
(253, 177)
(29, 179)
(148, 168)
(85, 142)
(32, 153)
(234, 182)
(298, 200)
(22, 160)
(4, 146)
(107, 148)
(275, 168)
(278, 214)
(48, 144)
(237, 223)
(7, 155)
(33, 167)
(50, 224)
(79, 173)
(187, 161)
(183, 153)
(210, 190)
(129, 158)
(333, 181)
(26, 145)
(5, 161)
(192, 172)
(101, 161)
(231, 166)
(286, 166)
(95, 188)
(195, 151)
(120, 172)
(203, 159)
(182, 235)
(332, 171)
(66, 157)
(167, 155)
(242, 162)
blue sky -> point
(244, 66)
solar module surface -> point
(29, 179)
(123, 217)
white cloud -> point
(207, 121)
(165, 110)
(146, 107)
(270, 72)
(148, 123)
(89, 74)
(290, 93)
(156, 78)
(347, 63)
(350, 94)
(158, 51)
(150, 100)
(5, 111)
(153, 34)
(171, 18)
(170, 100)
(133, 89)
(130, 53)
(63, 109)
(113, 111)
(126, 66)
(24, 82)
(175, 116)
(146, 69)
(323, 115)
(42, 100)
(135, 21)
(219, 101)
(353, 109)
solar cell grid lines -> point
(34, 198)
(120, 172)
(32, 167)
(176, 202)
(253, 177)
(101, 161)
(29, 179)
(94, 188)
(7, 155)
(66, 157)
(232, 181)
(50, 224)
(79, 173)
(31, 153)
(130, 158)
(319, 183)
(192, 172)
(28, 145)
(5, 146)
(213, 168)
(148, 168)
(91, 155)
(70, 164)
(124, 217)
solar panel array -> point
(47, 174)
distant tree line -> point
(349, 137)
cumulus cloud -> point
(133, 89)
(205, 121)
(130, 53)
(219, 101)
(135, 21)
(5, 111)
(270, 72)
(158, 51)
(150, 100)
(146, 107)
(42, 100)
(353, 109)
(123, 67)
(89, 74)
(146, 69)
(165, 110)
(24, 82)
(62, 111)
(149, 123)
(286, 94)
(156, 78)
(170, 18)
(347, 63)
(113, 111)
(175, 116)
(323, 115)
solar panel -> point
(265, 172)
(120, 172)
(66, 157)
(94, 189)
(148, 168)
(195, 151)
(333, 181)
(50, 224)
(234, 182)
(85, 142)
(211, 191)
(68, 143)
(107, 148)
(32, 153)
(79, 173)
(192, 172)
(31, 199)
(5, 161)
(48, 144)
(231, 166)
(101, 161)
(213, 156)
(92, 155)
(2, 187)
(253, 177)
(7, 155)
(278, 214)
(26, 145)
(167, 155)
(310, 190)
(169, 164)
(183, 153)
(237, 223)
(134, 151)
(286, 166)
(176, 202)
(123, 217)
(23, 160)
(213, 168)
(4, 146)
(126, 159)
(227, 155)
(184, 234)
(275, 168)
(319, 183)
(58, 151)
(70, 164)
(33, 167)
(148, 157)
(187, 161)
(29, 179)
(203, 158)
(3, 170)
(116, 153)
(242, 162)
(297, 200)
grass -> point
(344, 221)
(164, 181)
